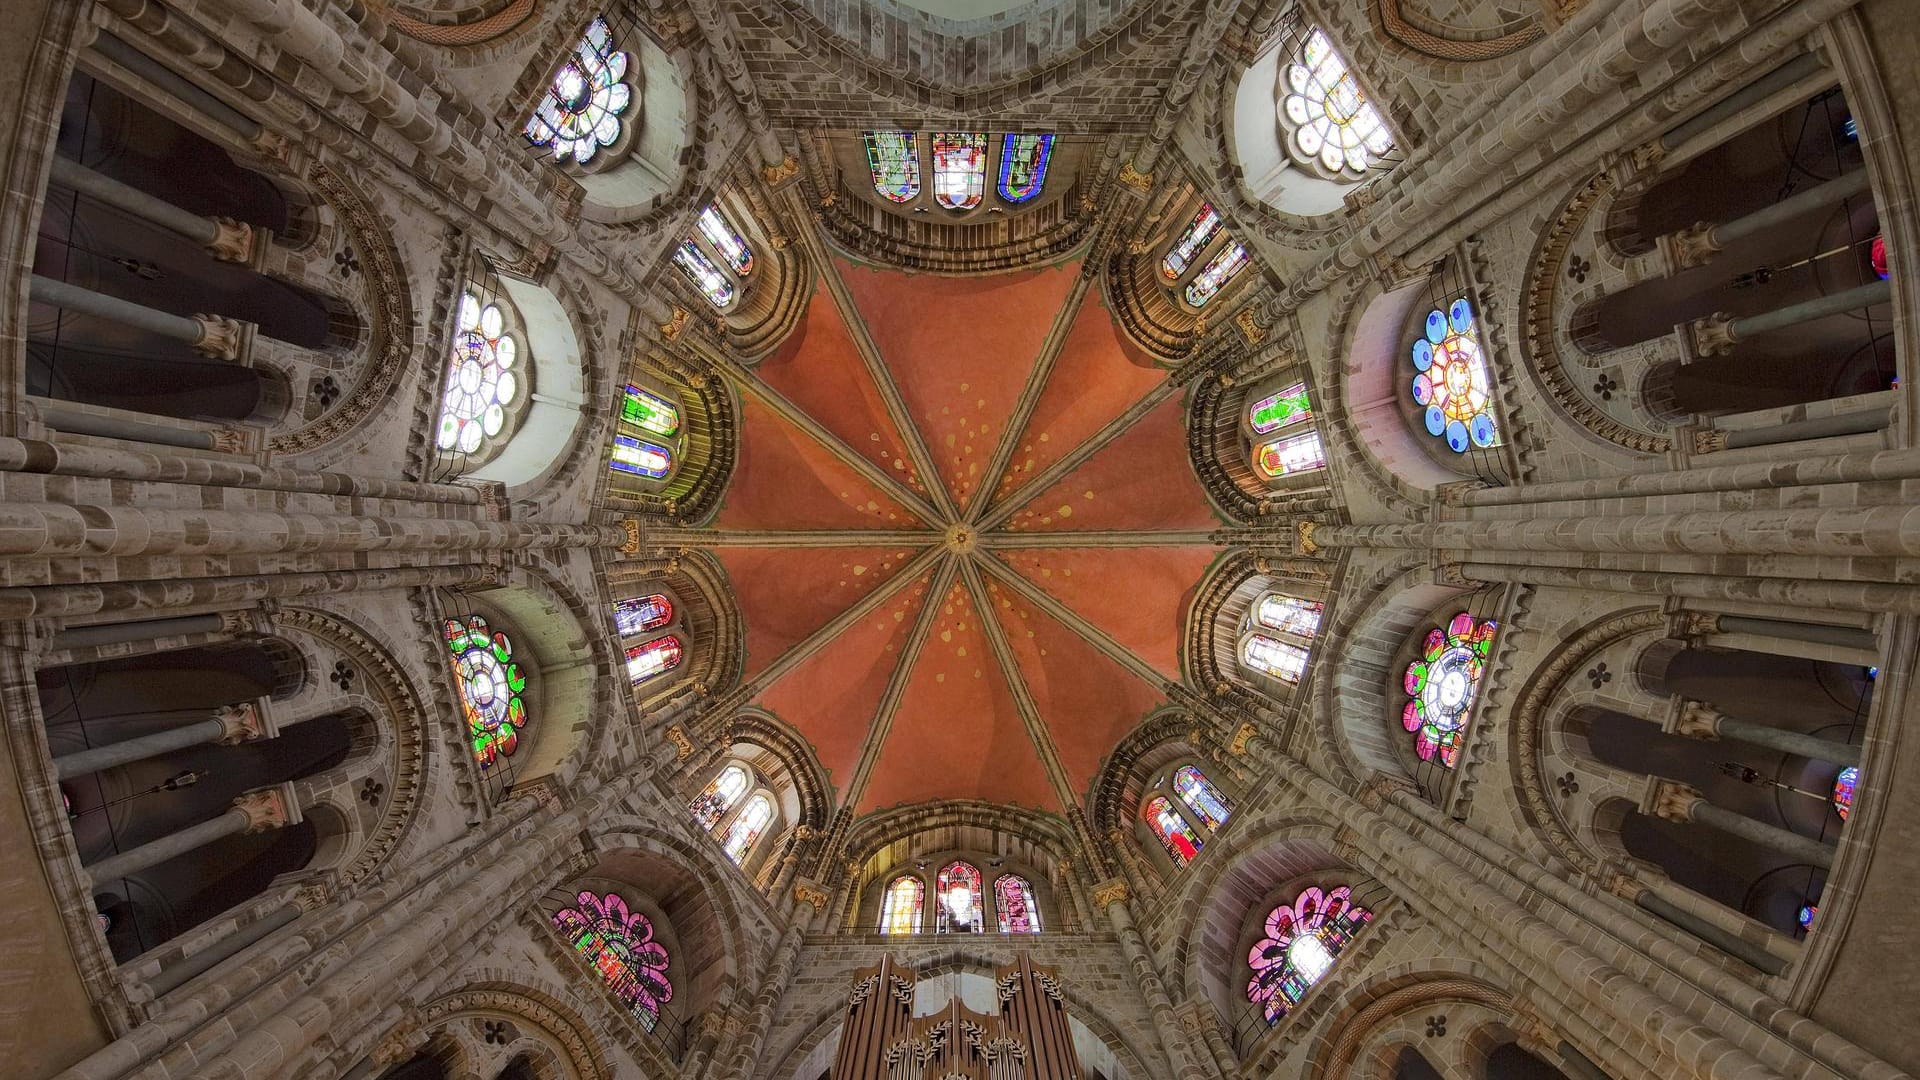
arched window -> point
(746, 828)
(581, 111)
(1329, 121)
(706, 277)
(1200, 230)
(895, 165)
(641, 458)
(491, 687)
(1302, 941)
(1287, 457)
(1450, 380)
(1023, 166)
(711, 805)
(639, 614)
(483, 389)
(725, 240)
(961, 901)
(959, 169)
(1843, 786)
(1282, 408)
(1201, 797)
(1172, 829)
(644, 662)
(900, 911)
(1441, 684)
(619, 944)
(1013, 895)
(1268, 656)
(650, 412)
(1220, 270)
(1289, 614)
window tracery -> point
(1023, 166)
(491, 687)
(1270, 656)
(618, 944)
(747, 828)
(653, 659)
(1450, 380)
(1441, 685)
(900, 912)
(959, 169)
(1302, 941)
(1178, 837)
(1013, 897)
(1327, 121)
(959, 164)
(483, 390)
(894, 163)
(960, 898)
(580, 115)
(721, 793)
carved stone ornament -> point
(1138, 182)
(1242, 737)
(1647, 155)
(1250, 327)
(232, 241)
(631, 546)
(1709, 440)
(778, 242)
(1696, 720)
(811, 895)
(1305, 535)
(228, 440)
(1671, 800)
(676, 324)
(1713, 335)
(1693, 245)
(781, 171)
(240, 723)
(398, 1045)
(220, 338)
(268, 808)
(1110, 892)
(1698, 623)
(682, 746)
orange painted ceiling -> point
(963, 535)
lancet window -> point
(960, 162)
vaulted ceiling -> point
(962, 533)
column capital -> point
(233, 241)
(222, 338)
(1693, 720)
(1712, 335)
(806, 892)
(240, 723)
(1670, 799)
(1693, 245)
(1111, 891)
(269, 808)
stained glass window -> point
(895, 164)
(581, 111)
(1013, 895)
(1450, 379)
(1805, 918)
(1843, 786)
(711, 805)
(1331, 121)
(1201, 797)
(649, 412)
(1023, 166)
(959, 169)
(492, 687)
(1279, 409)
(639, 614)
(1302, 941)
(618, 943)
(1172, 829)
(746, 828)
(725, 241)
(714, 285)
(1285, 457)
(900, 912)
(641, 458)
(656, 656)
(1220, 270)
(961, 903)
(482, 383)
(1276, 658)
(1289, 614)
(1200, 230)
(1441, 684)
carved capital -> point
(1713, 335)
(1110, 892)
(221, 338)
(232, 241)
(676, 324)
(1624, 886)
(780, 172)
(631, 546)
(1134, 180)
(226, 440)
(1139, 245)
(1249, 326)
(1450, 574)
(1695, 720)
(236, 622)
(240, 723)
(313, 895)
(1709, 440)
(779, 241)
(810, 894)
(268, 808)
(682, 746)
(1646, 155)
(272, 145)
(1671, 800)
(1304, 538)
(1693, 245)
(1698, 624)
(1242, 738)
(399, 1044)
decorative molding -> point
(1303, 535)
(682, 746)
(781, 172)
(1110, 892)
(676, 324)
(1249, 326)
(810, 894)
(1134, 180)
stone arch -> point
(561, 1028)
(1218, 618)
(1410, 28)
(808, 797)
(1151, 308)
(1364, 1008)
(710, 619)
(707, 443)
(880, 844)
(775, 297)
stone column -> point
(1697, 245)
(1843, 532)
(1112, 896)
(1718, 333)
(56, 601)
(256, 811)
(1674, 801)
(210, 335)
(176, 975)
(1132, 863)
(1855, 422)
(90, 530)
(747, 1054)
(223, 238)
(1699, 720)
(229, 724)
(1836, 595)
(118, 633)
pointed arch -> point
(902, 910)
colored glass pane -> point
(900, 912)
(698, 269)
(492, 687)
(895, 164)
(1279, 659)
(1843, 786)
(1877, 254)
(631, 455)
(1289, 614)
(581, 111)
(727, 242)
(961, 903)
(1807, 912)
(1172, 829)
(1450, 380)
(482, 382)
(1279, 409)
(1302, 940)
(1023, 166)
(746, 828)
(1220, 270)
(1285, 457)
(959, 169)
(1330, 120)
(618, 944)
(659, 655)
(1441, 684)
(1205, 223)
(1201, 797)
(639, 614)
(1013, 895)
(711, 805)
(649, 412)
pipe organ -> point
(1027, 1040)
